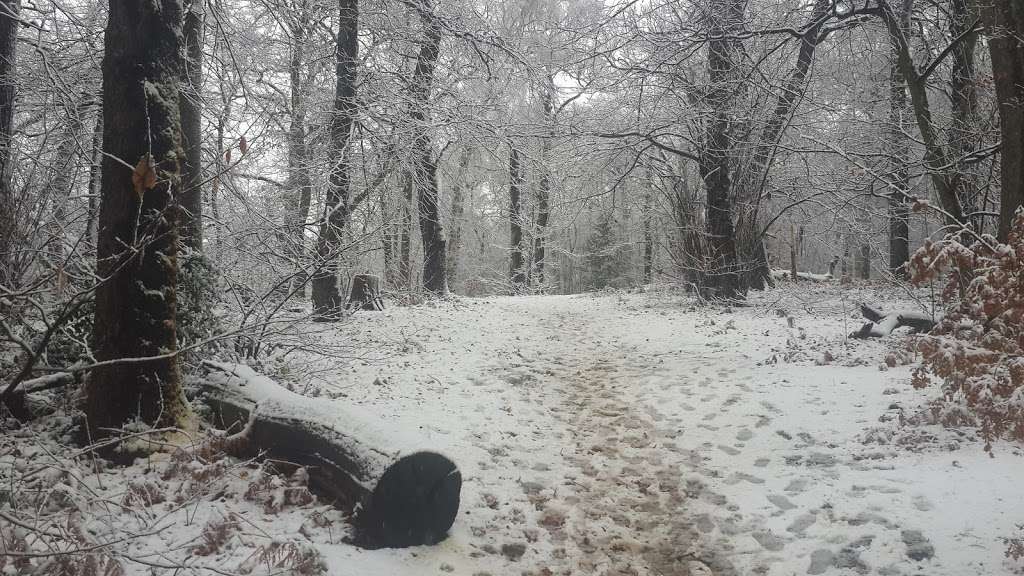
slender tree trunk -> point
(722, 276)
(544, 185)
(937, 159)
(299, 191)
(458, 210)
(648, 221)
(899, 157)
(65, 169)
(327, 298)
(425, 165)
(1005, 20)
(404, 241)
(138, 233)
(192, 127)
(95, 173)
(9, 204)
(516, 274)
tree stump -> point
(409, 495)
(366, 292)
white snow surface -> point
(624, 434)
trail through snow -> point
(628, 435)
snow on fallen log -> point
(408, 495)
(779, 274)
(882, 324)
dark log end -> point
(415, 502)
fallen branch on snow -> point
(882, 325)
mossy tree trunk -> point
(134, 329)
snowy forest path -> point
(621, 507)
(621, 435)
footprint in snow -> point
(728, 450)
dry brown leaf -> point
(144, 175)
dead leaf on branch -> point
(144, 175)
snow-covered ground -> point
(623, 434)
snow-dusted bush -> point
(976, 349)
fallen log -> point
(405, 496)
(881, 325)
(779, 274)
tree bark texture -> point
(899, 157)
(516, 272)
(1005, 21)
(138, 225)
(192, 127)
(9, 204)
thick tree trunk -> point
(138, 228)
(327, 298)
(899, 156)
(431, 229)
(722, 275)
(192, 127)
(408, 492)
(1005, 20)
(516, 271)
(9, 204)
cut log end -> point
(415, 502)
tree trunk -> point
(138, 228)
(409, 495)
(648, 218)
(9, 205)
(327, 298)
(299, 190)
(753, 253)
(95, 176)
(1005, 20)
(794, 266)
(458, 210)
(946, 180)
(431, 229)
(516, 273)
(192, 127)
(964, 101)
(722, 276)
(62, 180)
(404, 240)
(899, 156)
(544, 185)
